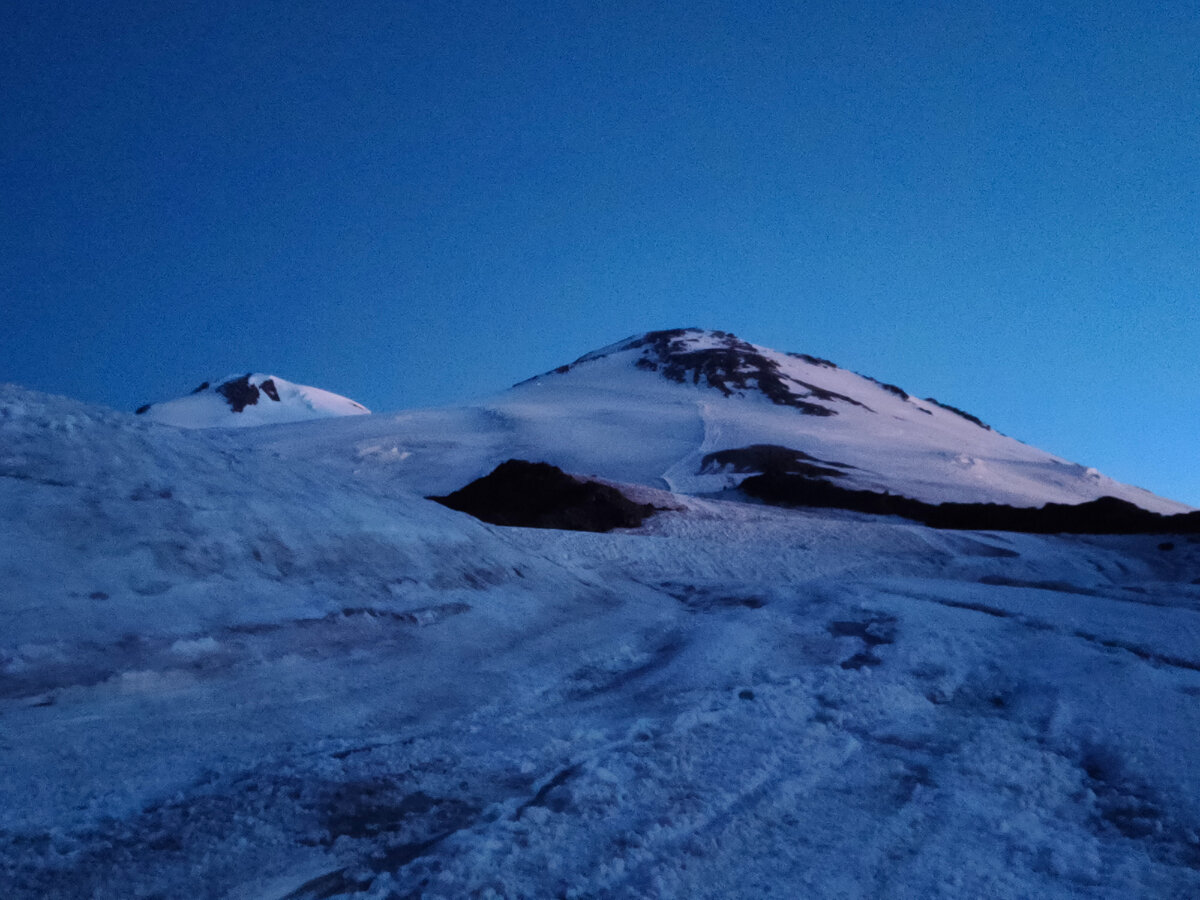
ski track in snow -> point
(686, 467)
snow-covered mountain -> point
(260, 663)
(682, 410)
(248, 400)
(730, 394)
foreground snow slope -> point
(651, 409)
(229, 669)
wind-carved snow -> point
(259, 663)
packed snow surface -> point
(258, 663)
(248, 400)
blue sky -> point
(416, 203)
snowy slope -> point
(649, 410)
(247, 400)
(743, 394)
(233, 670)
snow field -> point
(263, 666)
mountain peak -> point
(724, 362)
(250, 399)
(732, 366)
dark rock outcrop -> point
(814, 360)
(239, 393)
(1106, 515)
(893, 389)
(539, 495)
(960, 412)
(733, 366)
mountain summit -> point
(727, 364)
(723, 361)
(250, 399)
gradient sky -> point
(413, 203)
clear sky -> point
(413, 203)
